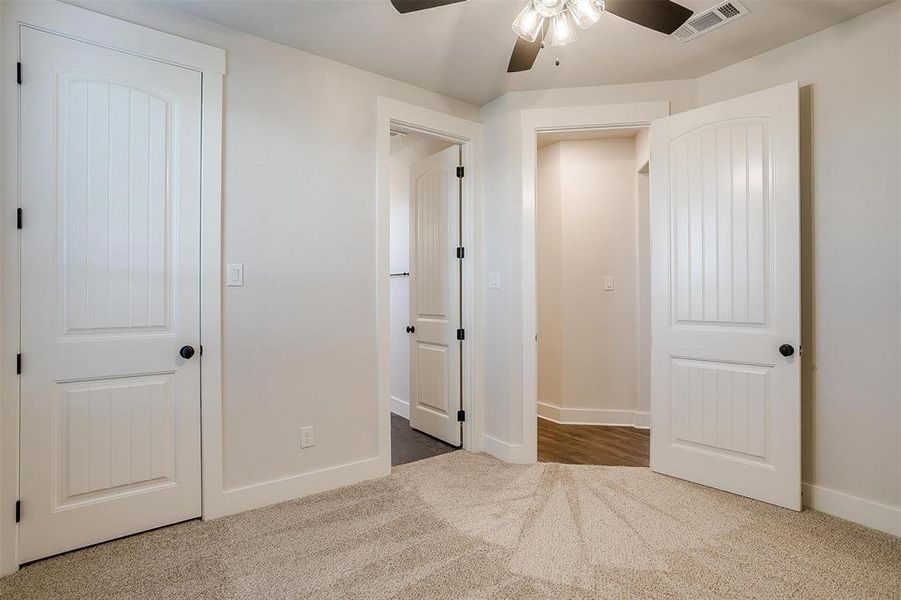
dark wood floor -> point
(408, 445)
(593, 444)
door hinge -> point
(461, 334)
(461, 415)
(460, 253)
(18, 510)
(18, 364)
(18, 218)
(201, 349)
(460, 172)
(19, 73)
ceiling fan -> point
(550, 22)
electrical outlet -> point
(608, 283)
(306, 437)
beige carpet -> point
(469, 526)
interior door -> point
(110, 243)
(725, 233)
(435, 296)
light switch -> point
(494, 280)
(306, 437)
(235, 276)
(608, 283)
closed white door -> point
(110, 188)
(435, 296)
(725, 235)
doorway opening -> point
(593, 297)
(425, 296)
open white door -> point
(725, 237)
(110, 392)
(435, 296)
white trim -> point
(256, 495)
(84, 25)
(88, 26)
(642, 419)
(511, 453)
(852, 508)
(400, 407)
(593, 416)
(395, 113)
(613, 116)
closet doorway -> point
(425, 296)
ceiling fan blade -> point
(524, 55)
(405, 6)
(660, 15)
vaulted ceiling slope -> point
(461, 50)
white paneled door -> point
(725, 375)
(110, 396)
(435, 271)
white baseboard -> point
(594, 416)
(511, 453)
(852, 508)
(642, 420)
(400, 407)
(257, 495)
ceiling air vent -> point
(710, 19)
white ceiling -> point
(462, 50)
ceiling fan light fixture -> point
(529, 23)
(585, 13)
(549, 8)
(562, 31)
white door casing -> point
(110, 187)
(435, 353)
(725, 236)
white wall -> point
(851, 274)
(299, 198)
(412, 150)
(588, 229)
(851, 100)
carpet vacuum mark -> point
(467, 525)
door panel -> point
(114, 435)
(110, 420)
(719, 210)
(725, 279)
(435, 296)
(114, 258)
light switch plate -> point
(608, 283)
(494, 280)
(306, 437)
(235, 275)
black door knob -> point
(186, 352)
(786, 350)
(410, 329)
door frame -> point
(100, 30)
(468, 134)
(535, 121)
